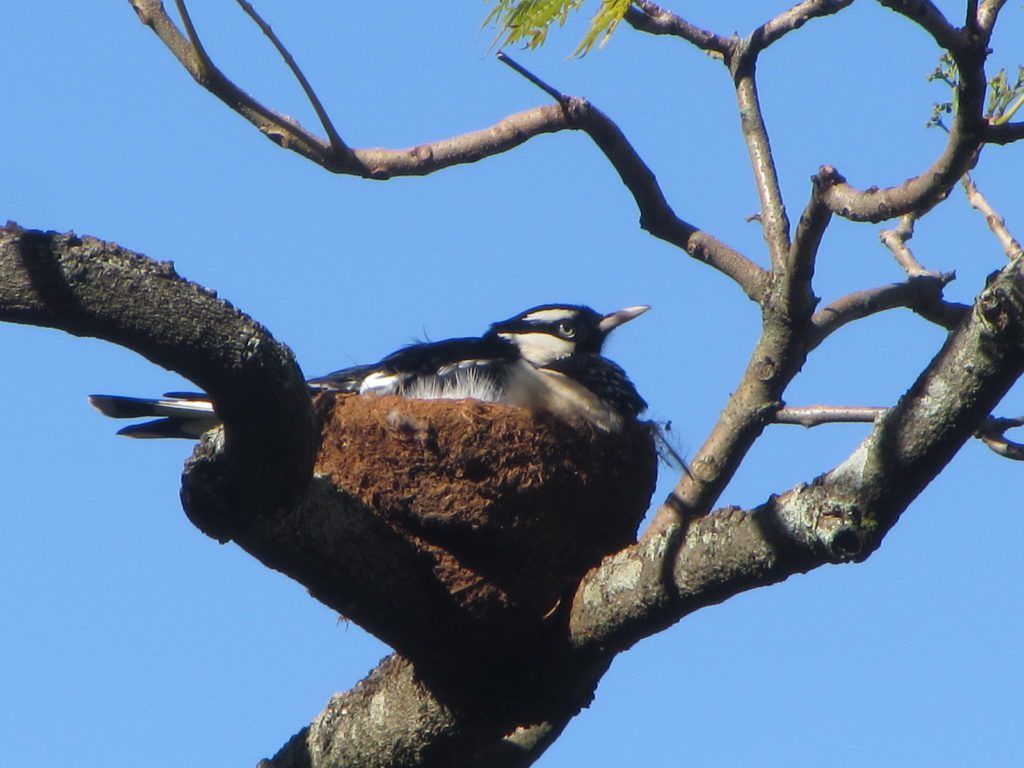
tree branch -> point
(842, 515)
(993, 434)
(337, 145)
(995, 221)
(91, 288)
(774, 221)
(987, 14)
(816, 415)
(931, 20)
(896, 241)
(656, 215)
(966, 137)
(646, 16)
(778, 27)
(922, 294)
(1004, 133)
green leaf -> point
(528, 21)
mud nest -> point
(511, 507)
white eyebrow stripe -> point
(549, 315)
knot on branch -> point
(1001, 306)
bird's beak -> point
(615, 319)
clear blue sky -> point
(128, 638)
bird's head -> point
(553, 331)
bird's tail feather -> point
(185, 414)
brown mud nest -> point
(511, 507)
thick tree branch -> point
(91, 288)
(842, 515)
(391, 718)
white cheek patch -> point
(540, 348)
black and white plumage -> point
(547, 358)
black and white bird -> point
(547, 358)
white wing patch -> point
(379, 383)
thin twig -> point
(927, 16)
(987, 13)
(203, 60)
(656, 215)
(337, 144)
(816, 415)
(995, 221)
(803, 252)
(776, 28)
(920, 293)
(774, 220)
(896, 241)
(993, 434)
(554, 93)
(648, 17)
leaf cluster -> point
(528, 21)
(1005, 97)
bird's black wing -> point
(416, 365)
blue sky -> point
(131, 639)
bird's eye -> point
(566, 329)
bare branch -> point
(842, 515)
(91, 288)
(896, 241)
(816, 415)
(922, 294)
(557, 95)
(995, 221)
(788, 21)
(336, 143)
(646, 16)
(966, 136)
(774, 220)
(279, 128)
(930, 19)
(1004, 133)
(987, 13)
(993, 434)
(351, 732)
(799, 299)
(656, 215)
